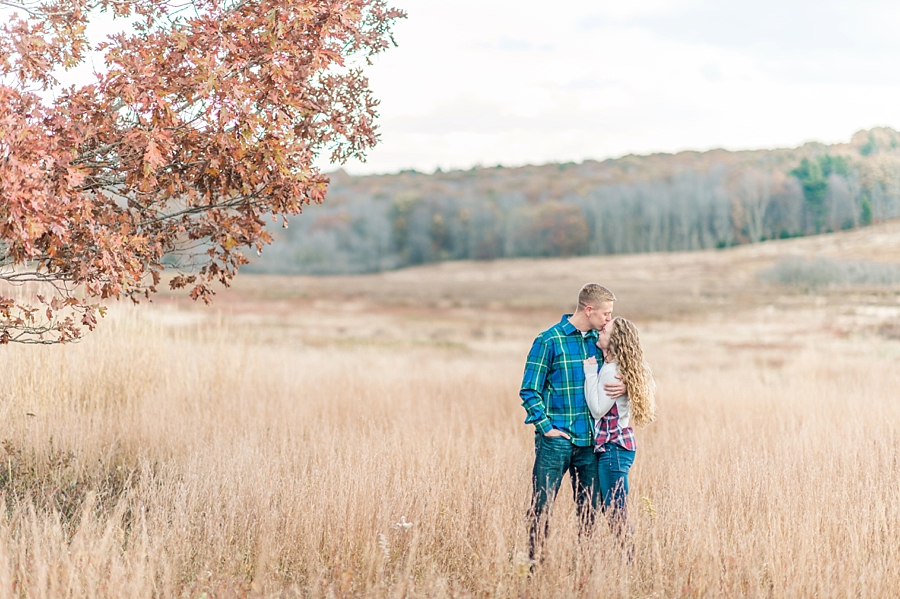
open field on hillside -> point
(277, 443)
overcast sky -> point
(485, 82)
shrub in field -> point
(55, 481)
(827, 272)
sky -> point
(487, 82)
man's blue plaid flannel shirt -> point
(553, 386)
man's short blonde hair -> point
(593, 295)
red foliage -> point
(208, 117)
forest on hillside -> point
(661, 202)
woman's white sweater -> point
(597, 400)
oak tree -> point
(204, 125)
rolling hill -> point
(657, 203)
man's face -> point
(599, 315)
(603, 337)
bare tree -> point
(754, 193)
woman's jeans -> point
(553, 458)
(612, 476)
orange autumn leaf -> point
(203, 126)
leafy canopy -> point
(813, 177)
(207, 118)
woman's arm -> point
(599, 403)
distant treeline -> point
(653, 203)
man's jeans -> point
(614, 463)
(553, 457)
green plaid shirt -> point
(553, 386)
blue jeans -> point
(553, 457)
(612, 475)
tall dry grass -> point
(165, 458)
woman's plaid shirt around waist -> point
(609, 431)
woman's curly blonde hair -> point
(625, 350)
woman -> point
(613, 433)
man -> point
(553, 396)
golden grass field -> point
(275, 444)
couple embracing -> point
(585, 386)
